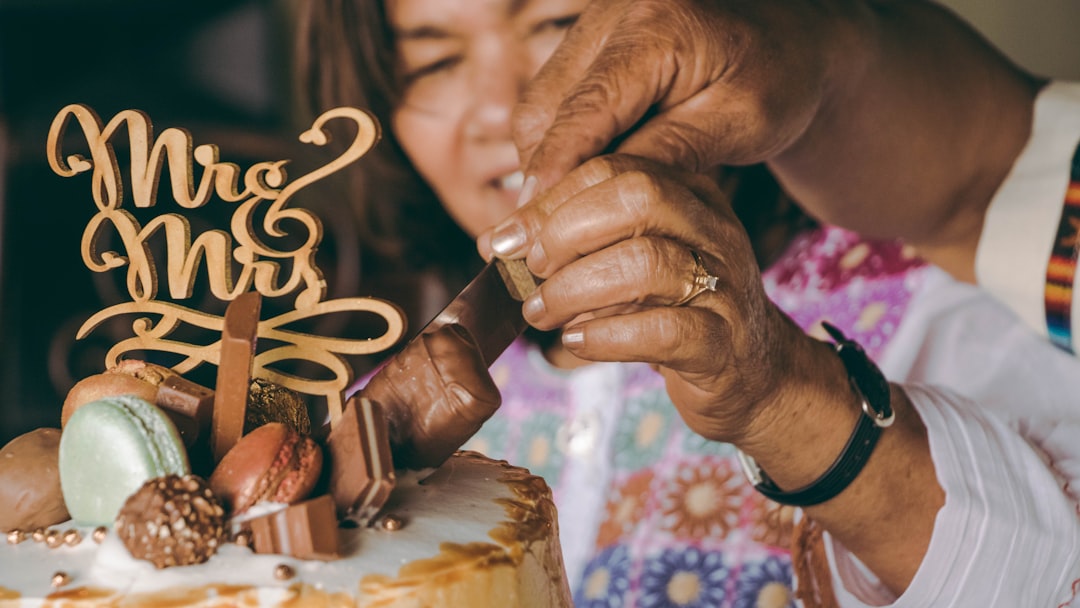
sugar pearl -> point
(53, 539)
(99, 533)
(15, 537)
(284, 572)
(392, 523)
(72, 538)
(60, 579)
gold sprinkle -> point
(392, 523)
(39, 535)
(283, 572)
(53, 539)
(15, 537)
(60, 579)
(243, 538)
(99, 534)
(72, 538)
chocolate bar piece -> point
(238, 338)
(306, 530)
(361, 468)
(189, 405)
(520, 282)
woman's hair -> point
(345, 57)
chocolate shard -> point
(361, 468)
(519, 281)
(189, 405)
(306, 530)
(238, 337)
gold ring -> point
(700, 282)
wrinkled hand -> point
(615, 242)
(729, 82)
(436, 394)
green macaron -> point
(108, 449)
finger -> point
(692, 341)
(609, 99)
(569, 62)
(714, 129)
(645, 271)
(513, 236)
(634, 203)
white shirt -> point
(1005, 441)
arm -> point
(615, 241)
(894, 119)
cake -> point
(474, 532)
(157, 491)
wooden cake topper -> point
(261, 189)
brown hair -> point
(345, 57)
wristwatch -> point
(870, 386)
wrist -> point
(808, 420)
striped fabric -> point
(1061, 270)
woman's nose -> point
(497, 81)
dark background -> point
(218, 69)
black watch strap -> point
(870, 386)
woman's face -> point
(464, 64)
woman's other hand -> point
(689, 83)
(644, 262)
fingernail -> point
(507, 240)
(573, 337)
(533, 307)
(528, 190)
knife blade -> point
(489, 307)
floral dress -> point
(651, 514)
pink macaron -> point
(273, 463)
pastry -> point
(108, 449)
(273, 463)
(30, 495)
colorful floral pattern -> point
(765, 584)
(703, 500)
(684, 578)
(625, 509)
(606, 580)
(640, 441)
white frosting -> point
(458, 503)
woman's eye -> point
(432, 68)
(561, 23)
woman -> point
(651, 514)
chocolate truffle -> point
(172, 521)
(30, 494)
(269, 402)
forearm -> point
(886, 516)
(921, 122)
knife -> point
(489, 307)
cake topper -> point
(262, 192)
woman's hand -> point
(720, 82)
(893, 119)
(648, 263)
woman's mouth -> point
(510, 182)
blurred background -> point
(220, 70)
